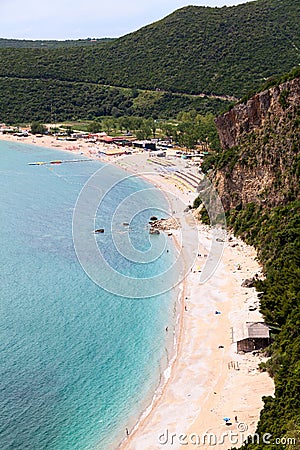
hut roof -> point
(257, 330)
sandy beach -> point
(209, 380)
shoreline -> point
(197, 404)
(201, 388)
(48, 142)
(163, 385)
(165, 379)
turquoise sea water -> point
(78, 363)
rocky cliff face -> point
(260, 141)
(244, 118)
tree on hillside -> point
(152, 124)
(38, 128)
(115, 112)
(188, 135)
(125, 123)
(69, 130)
(108, 124)
(94, 127)
(208, 131)
(170, 131)
(145, 130)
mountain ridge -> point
(222, 51)
(50, 43)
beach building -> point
(117, 140)
(80, 135)
(145, 144)
(256, 336)
(8, 130)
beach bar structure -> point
(146, 145)
(256, 337)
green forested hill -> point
(217, 51)
(225, 51)
(48, 101)
(44, 44)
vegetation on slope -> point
(225, 51)
(56, 101)
(276, 235)
(273, 81)
(272, 149)
(45, 44)
(266, 156)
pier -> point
(57, 161)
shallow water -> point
(78, 363)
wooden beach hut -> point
(256, 337)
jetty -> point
(57, 161)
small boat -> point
(57, 161)
(99, 230)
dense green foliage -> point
(276, 235)
(224, 51)
(271, 223)
(38, 128)
(219, 51)
(44, 44)
(55, 101)
(192, 128)
(271, 82)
